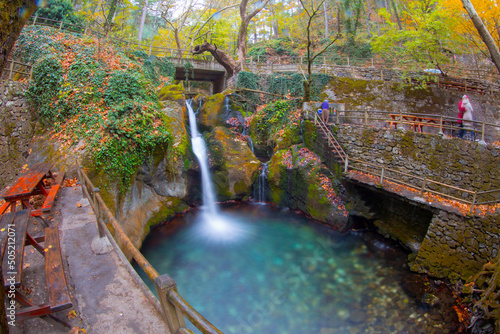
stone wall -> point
(455, 162)
(16, 130)
(457, 247)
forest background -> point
(427, 34)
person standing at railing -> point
(325, 111)
(467, 118)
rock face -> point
(16, 130)
(158, 190)
(217, 110)
(234, 166)
(457, 246)
(297, 179)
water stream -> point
(200, 150)
(260, 186)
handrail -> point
(173, 305)
(332, 141)
(424, 183)
(398, 118)
(9, 70)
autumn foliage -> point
(94, 98)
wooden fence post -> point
(172, 315)
(97, 210)
(482, 134)
(11, 68)
(473, 202)
(346, 165)
(382, 176)
(441, 126)
(423, 187)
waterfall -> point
(213, 226)
(200, 150)
(260, 191)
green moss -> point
(240, 187)
(171, 92)
(170, 207)
(367, 137)
(408, 146)
(310, 134)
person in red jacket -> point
(460, 116)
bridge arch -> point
(202, 70)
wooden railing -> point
(465, 196)
(428, 123)
(16, 70)
(174, 307)
(383, 173)
(332, 141)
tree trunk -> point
(368, 14)
(397, 15)
(230, 65)
(483, 32)
(242, 32)
(326, 20)
(143, 20)
(11, 25)
(111, 14)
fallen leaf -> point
(72, 315)
(78, 204)
(26, 265)
(77, 330)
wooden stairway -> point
(326, 134)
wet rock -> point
(235, 167)
(357, 316)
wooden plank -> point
(12, 264)
(49, 200)
(57, 289)
(32, 312)
(5, 220)
(4, 207)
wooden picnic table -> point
(30, 184)
(14, 237)
(416, 122)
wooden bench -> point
(13, 239)
(49, 200)
(13, 231)
(57, 289)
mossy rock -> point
(211, 112)
(234, 164)
(171, 93)
(297, 179)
